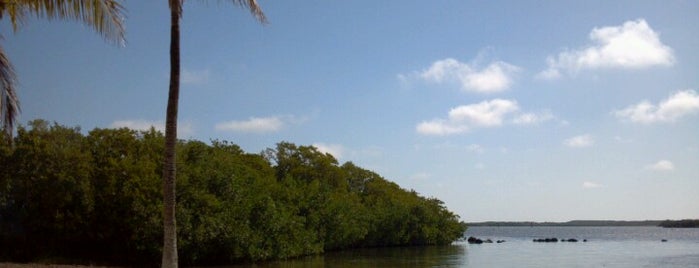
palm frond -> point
(9, 103)
(254, 8)
(11, 8)
(104, 16)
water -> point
(606, 247)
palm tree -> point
(169, 170)
(104, 16)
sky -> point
(504, 110)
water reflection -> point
(433, 256)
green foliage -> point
(98, 198)
(126, 192)
(48, 172)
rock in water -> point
(473, 240)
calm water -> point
(606, 247)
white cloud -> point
(194, 77)
(676, 106)
(579, 141)
(335, 150)
(253, 125)
(139, 124)
(633, 45)
(495, 77)
(442, 70)
(492, 113)
(590, 185)
(662, 165)
(551, 73)
(184, 129)
(485, 114)
(440, 127)
(532, 118)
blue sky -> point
(505, 110)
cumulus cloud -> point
(253, 125)
(590, 185)
(496, 77)
(492, 113)
(676, 106)
(662, 165)
(579, 141)
(632, 45)
(532, 118)
(184, 129)
(336, 150)
(551, 73)
(485, 114)
(441, 127)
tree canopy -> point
(96, 198)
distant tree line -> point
(687, 223)
(97, 198)
(568, 223)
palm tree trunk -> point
(169, 170)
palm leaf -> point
(254, 8)
(251, 5)
(9, 104)
(104, 16)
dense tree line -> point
(97, 198)
(686, 223)
(568, 223)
